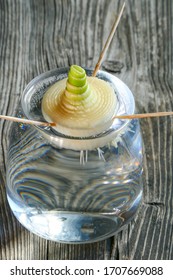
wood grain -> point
(36, 36)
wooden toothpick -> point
(135, 116)
(109, 39)
(14, 119)
(142, 116)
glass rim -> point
(36, 88)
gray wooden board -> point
(36, 36)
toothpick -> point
(109, 39)
(146, 115)
(135, 116)
(14, 119)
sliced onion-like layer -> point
(80, 109)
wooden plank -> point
(40, 35)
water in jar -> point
(74, 196)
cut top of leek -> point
(80, 106)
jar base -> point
(72, 227)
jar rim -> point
(31, 105)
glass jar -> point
(74, 190)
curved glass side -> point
(68, 195)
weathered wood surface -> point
(36, 36)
